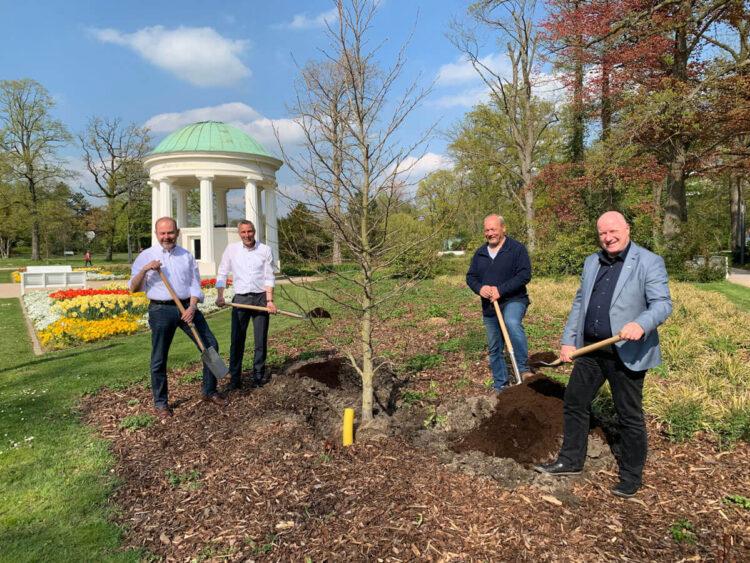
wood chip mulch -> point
(255, 481)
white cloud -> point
(465, 98)
(303, 21)
(198, 55)
(238, 114)
(473, 91)
(462, 71)
(235, 111)
(414, 169)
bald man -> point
(623, 291)
(499, 271)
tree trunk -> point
(337, 170)
(34, 222)
(111, 228)
(576, 142)
(606, 102)
(367, 363)
(735, 197)
(530, 230)
(675, 210)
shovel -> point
(508, 344)
(210, 357)
(583, 351)
(316, 313)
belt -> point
(250, 293)
(170, 302)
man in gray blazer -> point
(623, 291)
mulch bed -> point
(265, 479)
(257, 481)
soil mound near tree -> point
(526, 425)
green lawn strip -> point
(737, 294)
(75, 261)
(54, 472)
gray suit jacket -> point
(641, 295)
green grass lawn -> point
(737, 294)
(54, 473)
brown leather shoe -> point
(526, 375)
(163, 412)
(216, 399)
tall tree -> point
(370, 172)
(31, 137)
(112, 152)
(485, 150)
(514, 23)
(327, 83)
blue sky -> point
(166, 64)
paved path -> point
(741, 277)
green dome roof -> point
(210, 136)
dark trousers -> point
(240, 320)
(164, 321)
(589, 374)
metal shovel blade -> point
(214, 363)
(319, 313)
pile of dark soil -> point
(526, 425)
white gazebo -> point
(215, 158)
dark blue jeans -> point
(240, 319)
(588, 375)
(164, 321)
(513, 313)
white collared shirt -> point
(178, 265)
(251, 268)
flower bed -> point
(211, 282)
(68, 332)
(95, 273)
(71, 293)
(69, 317)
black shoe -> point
(625, 490)
(258, 381)
(557, 468)
(232, 387)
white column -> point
(272, 230)
(221, 207)
(207, 219)
(155, 199)
(260, 226)
(252, 203)
(165, 191)
(181, 210)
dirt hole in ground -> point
(542, 357)
(525, 426)
(324, 370)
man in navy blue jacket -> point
(499, 271)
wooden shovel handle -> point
(266, 309)
(182, 310)
(508, 343)
(596, 346)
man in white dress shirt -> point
(164, 317)
(251, 264)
